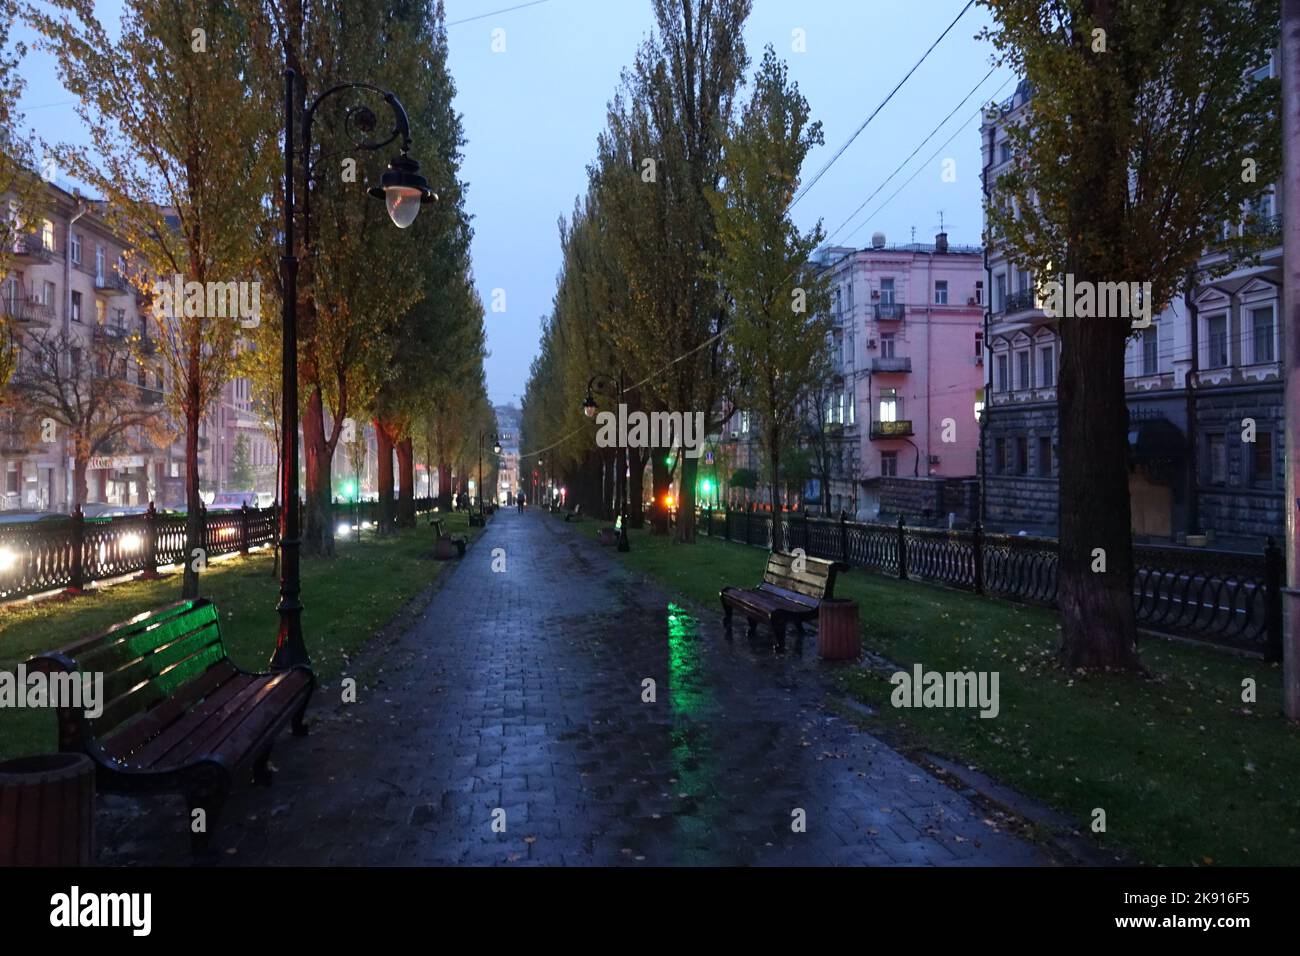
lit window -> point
(940, 292)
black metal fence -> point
(1224, 597)
(70, 551)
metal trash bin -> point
(838, 637)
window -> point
(1261, 323)
(888, 464)
(76, 248)
(1046, 366)
(836, 303)
(850, 416)
(979, 292)
(744, 423)
(891, 405)
(887, 345)
(1264, 72)
(1217, 341)
(979, 344)
(999, 291)
(941, 292)
(11, 478)
(101, 312)
(119, 318)
(999, 455)
(1150, 351)
(47, 235)
(99, 262)
(1022, 370)
(1261, 461)
(849, 286)
(1044, 456)
(76, 307)
(886, 291)
(1004, 151)
(10, 294)
(47, 294)
(1218, 460)
(1022, 455)
(1002, 384)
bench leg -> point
(262, 774)
(299, 726)
(778, 633)
(753, 626)
(206, 790)
(726, 615)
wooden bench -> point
(178, 715)
(785, 595)
(446, 545)
(575, 514)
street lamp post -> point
(403, 190)
(621, 459)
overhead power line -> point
(840, 152)
(484, 16)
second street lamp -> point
(404, 190)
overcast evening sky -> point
(532, 114)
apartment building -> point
(1202, 378)
(905, 351)
(68, 283)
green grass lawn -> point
(346, 600)
(1186, 773)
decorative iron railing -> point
(70, 551)
(1229, 598)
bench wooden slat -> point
(178, 715)
(130, 736)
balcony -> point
(29, 249)
(27, 311)
(1020, 301)
(150, 396)
(110, 285)
(896, 363)
(1268, 226)
(110, 333)
(888, 311)
(897, 429)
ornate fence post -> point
(807, 546)
(150, 572)
(902, 550)
(749, 520)
(77, 579)
(844, 537)
(708, 521)
(1273, 580)
(978, 542)
(726, 524)
(243, 528)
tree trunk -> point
(777, 536)
(1097, 619)
(318, 534)
(405, 483)
(384, 443)
(636, 490)
(79, 486)
(660, 479)
(193, 517)
(686, 499)
(444, 486)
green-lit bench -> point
(178, 715)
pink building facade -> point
(907, 349)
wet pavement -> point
(509, 725)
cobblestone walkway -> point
(521, 691)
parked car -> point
(233, 500)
